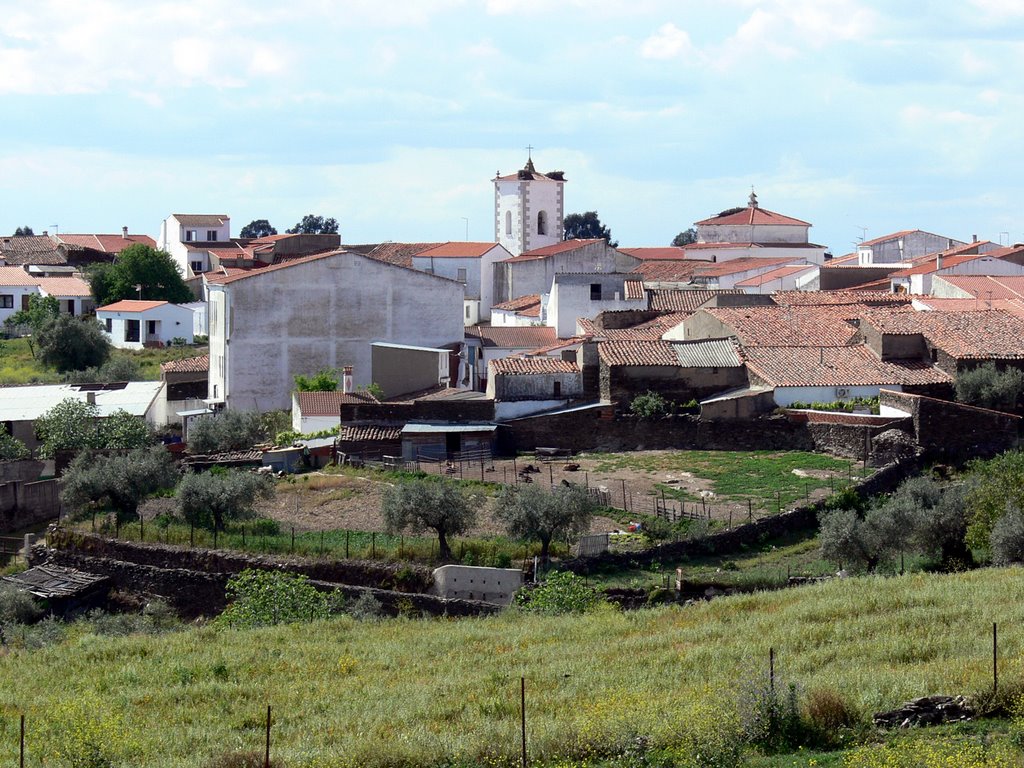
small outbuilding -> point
(132, 324)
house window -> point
(109, 324)
(131, 330)
(211, 235)
(190, 236)
(595, 291)
(542, 223)
(460, 275)
(467, 311)
(6, 301)
(197, 267)
(558, 389)
(508, 222)
(151, 327)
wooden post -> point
(293, 540)
(266, 754)
(373, 544)
(625, 507)
(214, 536)
(191, 534)
(21, 743)
(551, 474)
(522, 713)
(995, 659)
(771, 669)
(750, 511)
(321, 541)
(243, 534)
(346, 543)
(142, 527)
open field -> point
(446, 693)
(17, 366)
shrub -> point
(210, 499)
(827, 712)
(120, 482)
(988, 387)
(419, 504)
(649, 406)
(264, 598)
(227, 431)
(366, 608)
(265, 526)
(17, 606)
(530, 512)
(11, 448)
(1007, 538)
(562, 592)
(769, 714)
(324, 380)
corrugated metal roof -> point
(711, 353)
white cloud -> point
(667, 43)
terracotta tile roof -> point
(34, 249)
(633, 290)
(638, 353)
(399, 253)
(106, 243)
(519, 304)
(235, 275)
(834, 298)
(974, 335)
(11, 276)
(775, 274)
(529, 366)
(529, 337)
(659, 253)
(668, 271)
(837, 367)
(847, 259)
(64, 286)
(1010, 306)
(790, 326)
(671, 300)
(457, 250)
(370, 433)
(198, 364)
(554, 248)
(931, 264)
(887, 238)
(201, 219)
(560, 344)
(329, 403)
(131, 305)
(988, 286)
(754, 215)
(737, 266)
(652, 330)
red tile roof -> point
(633, 290)
(457, 250)
(652, 330)
(106, 243)
(370, 433)
(199, 364)
(234, 276)
(329, 403)
(399, 253)
(530, 366)
(834, 298)
(672, 300)
(668, 271)
(790, 326)
(974, 335)
(931, 265)
(775, 274)
(31, 249)
(754, 215)
(11, 276)
(64, 286)
(201, 219)
(529, 337)
(131, 305)
(736, 266)
(519, 304)
(557, 345)
(659, 253)
(638, 353)
(988, 286)
(837, 367)
(554, 248)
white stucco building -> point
(134, 324)
(17, 285)
(322, 311)
(902, 247)
(587, 295)
(529, 209)
(188, 238)
(471, 264)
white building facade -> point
(188, 237)
(138, 324)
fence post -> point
(243, 534)
(771, 670)
(21, 744)
(373, 544)
(293, 540)
(995, 659)
(214, 536)
(346, 542)
(321, 541)
(624, 506)
(522, 712)
(142, 527)
(191, 534)
(266, 754)
(750, 511)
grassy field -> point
(413, 692)
(17, 366)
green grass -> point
(766, 478)
(442, 693)
(17, 366)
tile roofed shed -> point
(131, 305)
(710, 353)
(367, 433)
(974, 335)
(329, 403)
(31, 249)
(837, 367)
(64, 286)
(524, 366)
(512, 337)
(399, 253)
(530, 301)
(202, 219)
(668, 271)
(198, 364)
(638, 353)
(457, 250)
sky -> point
(393, 116)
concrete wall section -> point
(491, 585)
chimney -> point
(124, 233)
(974, 238)
(938, 262)
(346, 380)
(46, 233)
(90, 398)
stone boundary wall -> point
(746, 535)
(418, 410)
(402, 577)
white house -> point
(918, 280)
(188, 238)
(323, 311)
(529, 209)
(16, 285)
(587, 295)
(789, 278)
(521, 386)
(471, 264)
(520, 312)
(73, 293)
(132, 324)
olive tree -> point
(421, 504)
(121, 482)
(529, 512)
(76, 425)
(227, 431)
(11, 448)
(211, 499)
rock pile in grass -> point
(927, 710)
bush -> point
(17, 606)
(1007, 538)
(649, 406)
(11, 448)
(264, 598)
(227, 431)
(769, 715)
(366, 608)
(988, 387)
(211, 499)
(69, 343)
(828, 712)
(562, 592)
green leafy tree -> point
(75, 425)
(421, 504)
(324, 380)
(228, 431)
(25, 231)
(686, 237)
(264, 598)
(257, 228)
(847, 539)
(123, 431)
(11, 448)
(212, 499)
(120, 368)
(40, 311)
(314, 225)
(71, 344)
(988, 387)
(1007, 539)
(649, 406)
(139, 265)
(585, 226)
(529, 512)
(994, 486)
(562, 592)
(121, 482)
